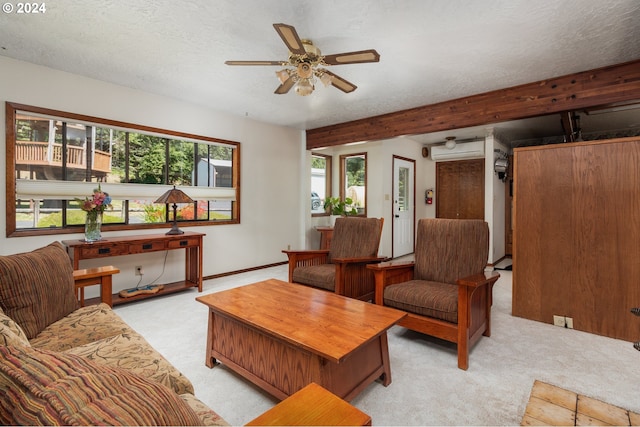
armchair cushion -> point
(355, 238)
(37, 287)
(320, 276)
(431, 299)
(451, 250)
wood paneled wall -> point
(577, 235)
(601, 86)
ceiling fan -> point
(305, 64)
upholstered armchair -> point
(342, 267)
(445, 291)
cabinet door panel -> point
(460, 189)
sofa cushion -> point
(10, 332)
(432, 299)
(84, 325)
(37, 288)
(48, 388)
(207, 416)
(132, 352)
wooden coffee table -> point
(283, 336)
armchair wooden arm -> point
(481, 279)
(95, 276)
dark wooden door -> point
(460, 189)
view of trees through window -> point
(320, 182)
(354, 180)
(53, 148)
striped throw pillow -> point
(47, 388)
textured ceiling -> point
(431, 50)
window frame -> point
(11, 112)
(343, 180)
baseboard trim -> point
(244, 270)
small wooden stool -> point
(312, 406)
(95, 276)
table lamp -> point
(174, 196)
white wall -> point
(271, 160)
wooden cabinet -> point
(576, 234)
(460, 189)
(130, 245)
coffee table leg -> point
(386, 365)
(210, 360)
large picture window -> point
(56, 159)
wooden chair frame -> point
(352, 278)
(475, 297)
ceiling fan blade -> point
(289, 36)
(254, 62)
(285, 87)
(357, 57)
(341, 83)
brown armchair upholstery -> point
(445, 292)
(342, 267)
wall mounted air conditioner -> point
(461, 151)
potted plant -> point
(337, 207)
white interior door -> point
(403, 206)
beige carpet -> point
(427, 387)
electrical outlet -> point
(568, 322)
(559, 321)
(139, 271)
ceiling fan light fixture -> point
(326, 79)
(301, 69)
(283, 75)
(304, 87)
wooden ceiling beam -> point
(615, 83)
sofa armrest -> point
(389, 273)
(95, 276)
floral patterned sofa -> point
(65, 365)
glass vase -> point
(92, 227)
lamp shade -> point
(174, 196)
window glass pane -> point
(355, 180)
(403, 188)
(147, 159)
(320, 182)
(181, 164)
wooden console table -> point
(130, 245)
